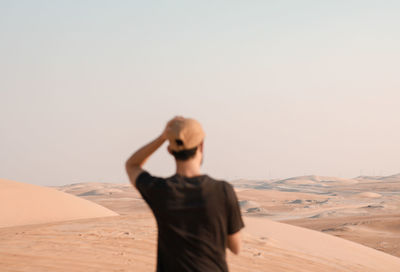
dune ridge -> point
(26, 204)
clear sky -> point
(282, 88)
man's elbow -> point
(127, 166)
(234, 242)
(131, 166)
(235, 250)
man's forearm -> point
(141, 155)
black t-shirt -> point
(194, 216)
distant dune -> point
(390, 178)
(23, 204)
(322, 180)
(94, 188)
(369, 195)
(259, 195)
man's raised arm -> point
(135, 163)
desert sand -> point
(23, 204)
(365, 210)
(319, 211)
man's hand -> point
(168, 126)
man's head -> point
(185, 138)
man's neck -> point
(188, 169)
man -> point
(197, 217)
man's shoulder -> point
(221, 184)
(224, 187)
(204, 179)
(145, 180)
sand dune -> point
(381, 231)
(320, 180)
(369, 195)
(23, 204)
(269, 195)
(94, 188)
(250, 206)
(101, 192)
(390, 178)
(334, 253)
(128, 242)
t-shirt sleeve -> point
(148, 186)
(235, 221)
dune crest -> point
(313, 179)
(25, 204)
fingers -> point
(178, 117)
(168, 126)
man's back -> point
(197, 216)
(194, 217)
